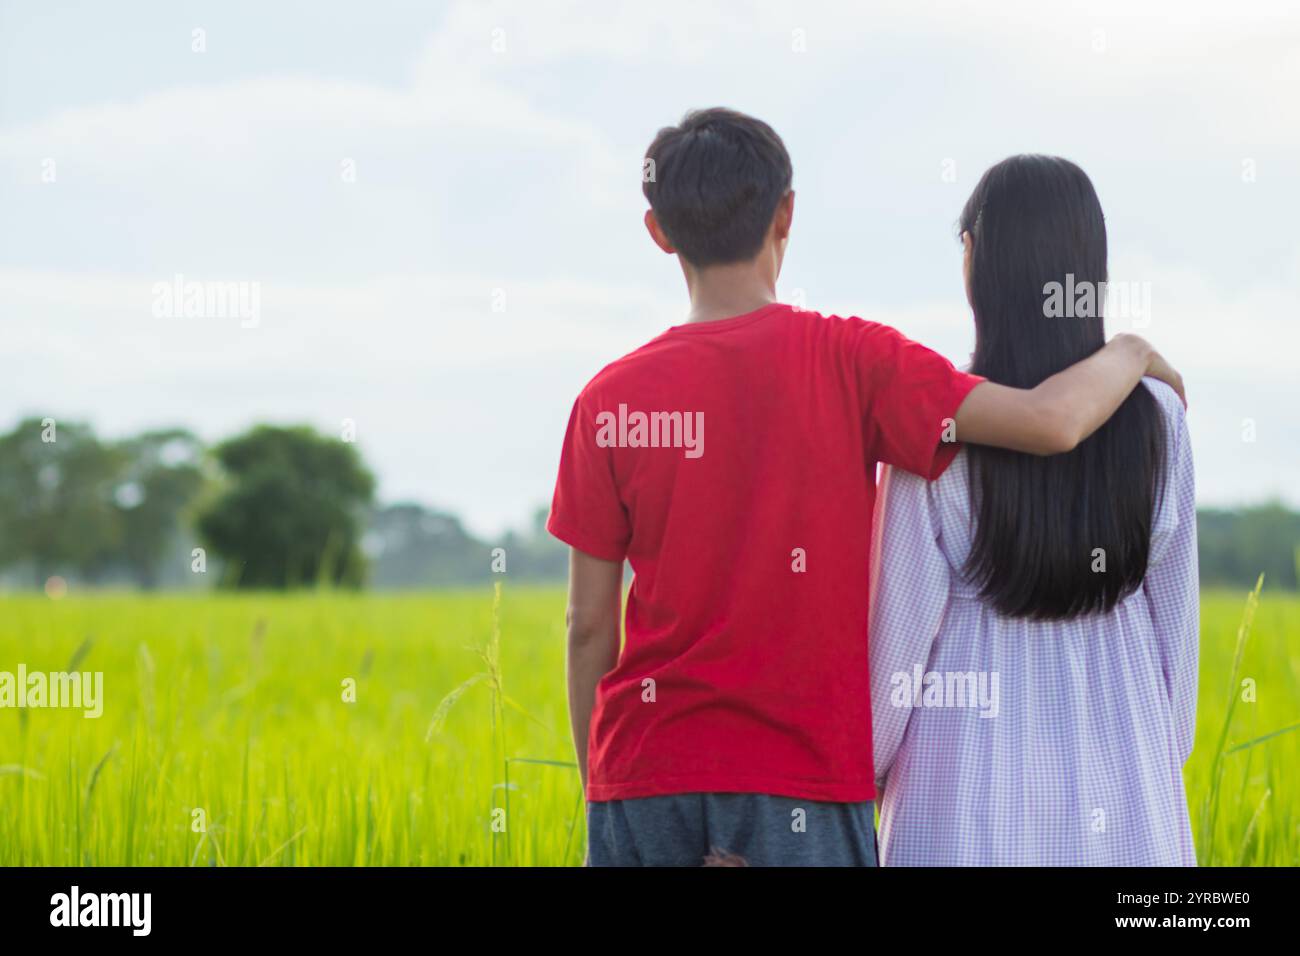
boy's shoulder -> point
(782, 327)
(783, 331)
(627, 369)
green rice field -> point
(430, 729)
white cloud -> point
(515, 170)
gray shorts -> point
(763, 830)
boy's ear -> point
(784, 216)
(656, 233)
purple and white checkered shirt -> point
(1059, 743)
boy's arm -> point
(1065, 409)
(595, 606)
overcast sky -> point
(440, 204)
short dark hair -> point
(714, 181)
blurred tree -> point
(411, 546)
(56, 498)
(1235, 546)
(162, 475)
(291, 514)
(535, 554)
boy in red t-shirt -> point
(731, 461)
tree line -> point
(275, 507)
(285, 506)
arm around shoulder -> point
(1064, 409)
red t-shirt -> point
(747, 522)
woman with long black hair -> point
(1034, 629)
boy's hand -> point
(1160, 369)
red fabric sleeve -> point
(586, 511)
(911, 394)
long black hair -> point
(1035, 221)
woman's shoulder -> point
(1177, 442)
(1171, 406)
(1175, 483)
(949, 494)
(946, 493)
(955, 480)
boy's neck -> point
(721, 292)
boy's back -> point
(746, 519)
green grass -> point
(234, 705)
